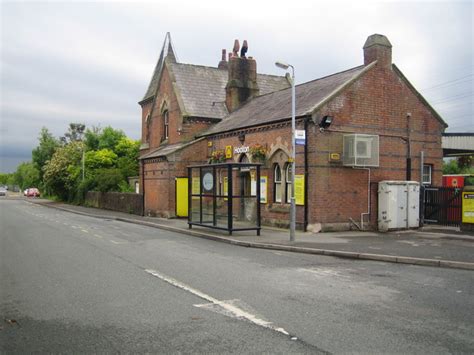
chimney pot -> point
(223, 63)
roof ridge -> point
(312, 81)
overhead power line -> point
(458, 81)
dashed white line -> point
(85, 231)
(98, 236)
(115, 242)
(230, 308)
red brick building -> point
(380, 125)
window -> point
(166, 124)
(427, 171)
(277, 183)
(288, 181)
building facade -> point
(362, 126)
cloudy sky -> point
(91, 62)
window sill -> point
(279, 208)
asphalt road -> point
(70, 283)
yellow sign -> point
(224, 187)
(334, 156)
(299, 190)
(263, 189)
(181, 197)
(468, 207)
(228, 152)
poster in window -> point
(196, 186)
(299, 190)
(263, 189)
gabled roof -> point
(167, 51)
(276, 106)
(420, 97)
(202, 89)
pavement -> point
(434, 246)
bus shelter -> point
(224, 196)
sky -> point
(91, 62)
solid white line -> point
(236, 311)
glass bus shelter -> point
(224, 196)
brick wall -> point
(116, 201)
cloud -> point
(66, 62)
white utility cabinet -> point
(399, 205)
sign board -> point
(300, 137)
(468, 207)
(299, 190)
(228, 152)
(208, 181)
(240, 150)
(263, 189)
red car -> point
(32, 192)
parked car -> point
(3, 191)
(33, 192)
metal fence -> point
(442, 205)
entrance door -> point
(181, 197)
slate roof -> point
(167, 51)
(276, 106)
(166, 150)
(202, 89)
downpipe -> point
(368, 198)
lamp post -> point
(285, 66)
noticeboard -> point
(299, 190)
(468, 207)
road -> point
(71, 283)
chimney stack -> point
(223, 62)
(378, 48)
(242, 82)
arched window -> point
(288, 181)
(166, 128)
(277, 183)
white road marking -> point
(232, 309)
(85, 231)
(98, 236)
(115, 242)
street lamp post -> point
(285, 66)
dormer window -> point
(166, 121)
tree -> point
(74, 133)
(108, 180)
(127, 151)
(91, 138)
(99, 159)
(461, 165)
(45, 150)
(62, 174)
(26, 175)
(110, 137)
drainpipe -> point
(142, 163)
(306, 174)
(368, 199)
(408, 167)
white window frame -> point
(277, 184)
(288, 182)
(166, 122)
(429, 174)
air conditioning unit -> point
(360, 150)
